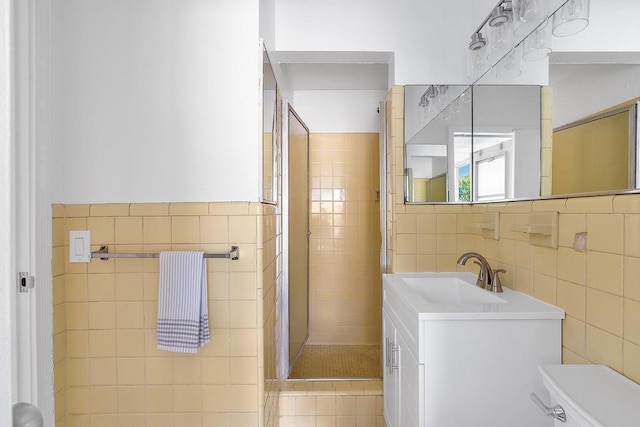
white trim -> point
(261, 121)
(382, 191)
(284, 291)
(32, 203)
(23, 200)
(42, 249)
(7, 269)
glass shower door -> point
(298, 224)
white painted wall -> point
(268, 22)
(526, 163)
(505, 108)
(428, 38)
(582, 90)
(613, 27)
(428, 167)
(155, 100)
(6, 216)
(339, 111)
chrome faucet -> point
(487, 278)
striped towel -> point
(183, 321)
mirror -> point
(596, 154)
(592, 95)
(595, 116)
(271, 131)
(506, 142)
(437, 143)
(478, 151)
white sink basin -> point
(451, 290)
(454, 295)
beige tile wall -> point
(114, 373)
(598, 288)
(345, 239)
(331, 404)
(546, 136)
(270, 313)
(59, 316)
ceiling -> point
(567, 58)
(337, 76)
(335, 70)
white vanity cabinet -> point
(401, 378)
(456, 358)
(390, 377)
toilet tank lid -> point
(598, 393)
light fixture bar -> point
(506, 5)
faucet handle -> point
(496, 286)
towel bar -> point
(103, 253)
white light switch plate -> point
(80, 246)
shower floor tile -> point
(338, 362)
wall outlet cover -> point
(79, 246)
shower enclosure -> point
(297, 220)
(332, 254)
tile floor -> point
(345, 389)
(338, 362)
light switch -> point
(80, 246)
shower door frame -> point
(285, 365)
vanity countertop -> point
(455, 296)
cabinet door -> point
(409, 373)
(390, 375)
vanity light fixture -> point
(500, 15)
(510, 66)
(538, 44)
(432, 101)
(572, 18)
(500, 32)
(510, 20)
(478, 41)
(476, 60)
(527, 15)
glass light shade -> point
(510, 66)
(456, 106)
(445, 115)
(476, 62)
(527, 15)
(422, 112)
(538, 44)
(500, 40)
(572, 18)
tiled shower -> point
(345, 303)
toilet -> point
(591, 396)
